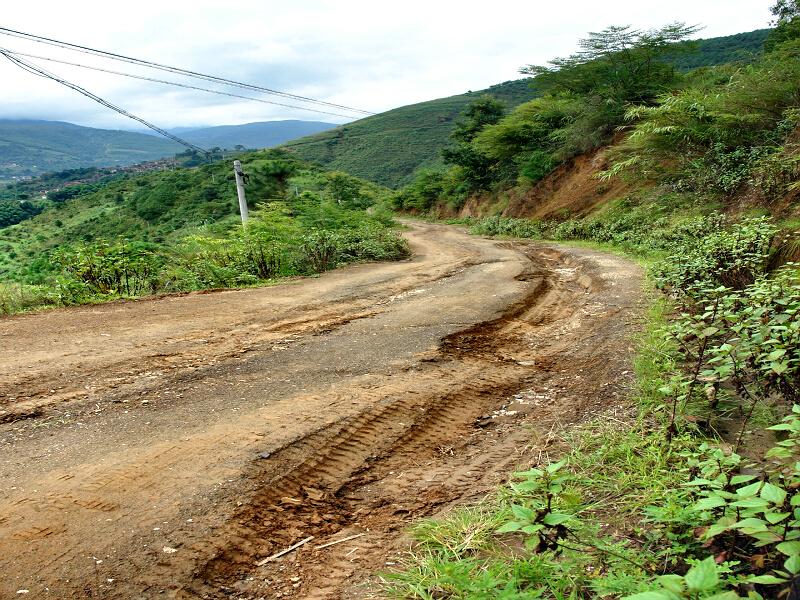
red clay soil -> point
(572, 190)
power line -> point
(174, 83)
(36, 70)
(178, 70)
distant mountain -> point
(29, 147)
(33, 147)
(264, 134)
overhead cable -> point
(36, 70)
(175, 83)
(171, 69)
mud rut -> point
(444, 429)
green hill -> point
(30, 148)
(33, 147)
(719, 50)
(387, 148)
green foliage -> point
(618, 64)
(787, 22)
(703, 580)
(15, 297)
(533, 510)
(12, 212)
(425, 191)
(719, 136)
(477, 170)
(178, 230)
(118, 268)
(740, 47)
(732, 258)
(347, 191)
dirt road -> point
(162, 448)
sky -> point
(369, 55)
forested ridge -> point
(388, 148)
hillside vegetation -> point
(709, 52)
(388, 148)
(176, 230)
(694, 493)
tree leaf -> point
(509, 527)
(789, 548)
(556, 518)
(738, 479)
(672, 583)
(773, 493)
(792, 564)
(748, 490)
(702, 576)
(709, 503)
(775, 517)
(751, 523)
(523, 513)
(765, 579)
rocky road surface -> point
(164, 448)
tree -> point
(477, 170)
(787, 23)
(346, 190)
(486, 110)
(785, 11)
(619, 64)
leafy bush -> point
(110, 268)
(719, 135)
(15, 297)
(733, 259)
(13, 212)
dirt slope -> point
(571, 190)
(162, 448)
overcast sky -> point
(370, 55)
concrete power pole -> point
(237, 171)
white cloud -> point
(370, 55)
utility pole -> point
(237, 171)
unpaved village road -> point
(162, 448)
